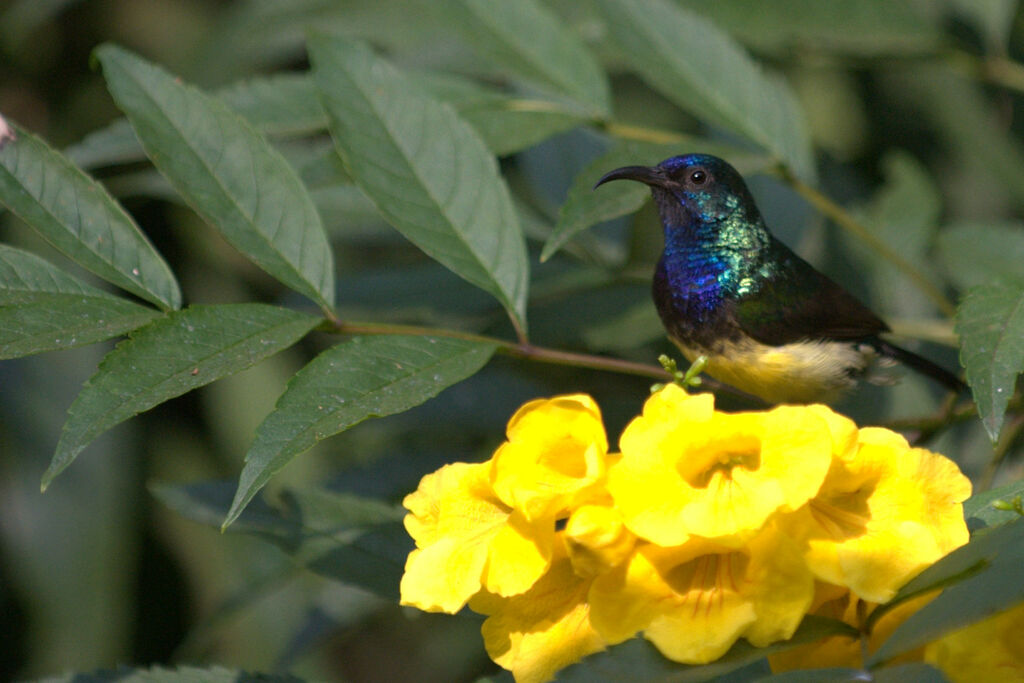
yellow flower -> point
(597, 540)
(837, 602)
(695, 600)
(554, 457)
(535, 634)
(687, 470)
(990, 650)
(468, 539)
(882, 515)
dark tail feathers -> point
(920, 364)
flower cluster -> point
(705, 528)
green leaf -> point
(530, 41)
(508, 125)
(990, 567)
(865, 28)
(181, 674)
(76, 215)
(426, 170)
(42, 308)
(358, 541)
(638, 661)
(980, 253)
(226, 171)
(700, 68)
(912, 672)
(585, 206)
(978, 510)
(113, 144)
(288, 105)
(279, 104)
(990, 322)
(362, 378)
(302, 513)
(171, 356)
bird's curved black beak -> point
(648, 175)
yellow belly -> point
(802, 372)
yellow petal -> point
(842, 429)
(780, 586)
(687, 472)
(467, 539)
(554, 456)
(629, 598)
(535, 634)
(694, 601)
(597, 540)
(881, 516)
(442, 576)
(990, 650)
(518, 554)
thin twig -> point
(844, 220)
(1011, 433)
(998, 70)
(517, 349)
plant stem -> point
(844, 220)
(516, 349)
(642, 133)
(1011, 433)
(998, 70)
(928, 426)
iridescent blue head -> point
(715, 239)
(692, 188)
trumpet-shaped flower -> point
(468, 539)
(554, 457)
(687, 470)
(882, 515)
(708, 527)
(535, 634)
(695, 600)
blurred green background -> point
(916, 130)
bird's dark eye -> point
(698, 176)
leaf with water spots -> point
(42, 308)
(169, 357)
(990, 323)
(358, 379)
(227, 171)
(76, 215)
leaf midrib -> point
(265, 240)
(141, 286)
(724, 106)
(536, 60)
(365, 396)
(189, 367)
(428, 190)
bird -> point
(767, 322)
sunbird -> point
(766, 320)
